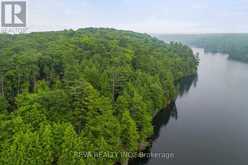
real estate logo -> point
(13, 14)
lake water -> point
(208, 125)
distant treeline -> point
(236, 45)
(66, 93)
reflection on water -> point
(185, 84)
(165, 115)
(208, 123)
(162, 118)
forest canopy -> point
(91, 89)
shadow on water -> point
(165, 115)
(163, 118)
(185, 84)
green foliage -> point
(3, 105)
(235, 45)
(71, 144)
(171, 92)
(129, 134)
(92, 90)
(27, 148)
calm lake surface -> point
(208, 125)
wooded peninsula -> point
(92, 89)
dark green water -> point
(208, 125)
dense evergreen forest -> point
(63, 93)
(236, 45)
